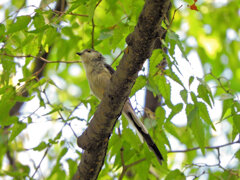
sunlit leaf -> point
(40, 147)
(184, 95)
(139, 84)
(204, 114)
(20, 24)
(16, 130)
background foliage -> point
(196, 128)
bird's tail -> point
(141, 129)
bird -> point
(98, 74)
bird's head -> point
(90, 56)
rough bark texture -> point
(94, 140)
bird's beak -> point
(79, 53)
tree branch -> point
(93, 24)
(39, 58)
(208, 147)
(94, 140)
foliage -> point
(198, 109)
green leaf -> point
(160, 115)
(227, 104)
(175, 38)
(204, 114)
(59, 135)
(39, 83)
(184, 95)
(155, 59)
(72, 167)
(38, 21)
(40, 147)
(176, 175)
(174, 77)
(16, 130)
(236, 121)
(164, 88)
(139, 84)
(203, 93)
(20, 24)
(190, 80)
(237, 154)
(58, 108)
(190, 114)
(172, 129)
(175, 110)
(133, 140)
(62, 153)
(194, 97)
(2, 30)
(152, 86)
(195, 123)
(18, 3)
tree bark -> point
(95, 138)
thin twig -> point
(45, 153)
(40, 58)
(208, 147)
(93, 24)
(93, 27)
(117, 56)
(69, 13)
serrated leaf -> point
(160, 115)
(204, 114)
(139, 84)
(190, 114)
(164, 88)
(174, 37)
(195, 123)
(20, 24)
(194, 97)
(175, 110)
(155, 59)
(226, 105)
(203, 93)
(174, 77)
(152, 86)
(40, 147)
(184, 95)
(171, 128)
(16, 130)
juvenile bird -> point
(98, 74)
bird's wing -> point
(137, 124)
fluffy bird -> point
(98, 74)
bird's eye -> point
(88, 50)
